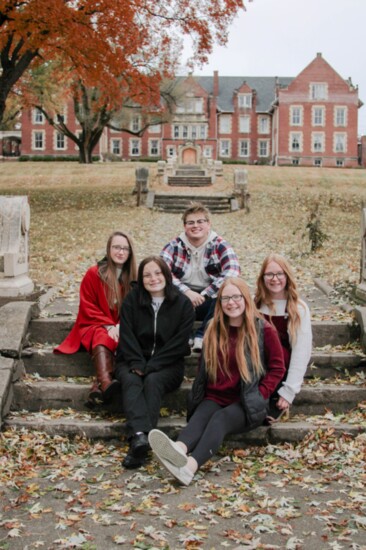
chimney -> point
(216, 83)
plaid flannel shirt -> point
(220, 262)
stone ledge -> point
(14, 321)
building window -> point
(263, 125)
(339, 143)
(340, 116)
(203, 131)
(194, 132)
(317, 142)
(318, 116)
(244, 148)
(38, 117)
(60, 141)
(170, 152)
(135, 147)
(245, 101)
(155, 129)
(176, 132)
(185, 132)
(190, 105)
(318, 162)
(339, 162)
(207, 151)
(38, 140)
(116, 148)
(135, 124)
(318, 91)
(225, 124)
(263, 148)
(153, 147)
(224, 148)
(296, 116)
(295, 162)
(244, 124)
(295, 141)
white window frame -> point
(295, 161)
(263, 125)
(225, 148)
(295, 138)
(315, 119)
(244, 124)
(318, 162)
(207, 151)
(118, 142)
(203, 131)
(59, 137)
(135, 124)
(296, 115)
(151, 147)
(318, 91)
(132, 144)
(42, 133)
(225, 124)
(171, 151)
(340, 138)
(244, 148)
(245, 101)
(317, 142)
(340, 116)
(38, 116)
(263, 144)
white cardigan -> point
(300, 350)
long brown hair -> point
(108, 272)
(216, 339)
(263, 295)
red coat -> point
(94, 314)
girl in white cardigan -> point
(278, 300)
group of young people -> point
(137, 325)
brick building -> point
(309, 120)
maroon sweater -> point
(227, 390)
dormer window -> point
(318, 91)
(245, 101)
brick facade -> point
(308, 120)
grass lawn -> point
(75, 207)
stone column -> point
(14, 254)
(361, 288)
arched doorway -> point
(189, 156)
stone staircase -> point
(218, 203)
(189, 176)
(47, 392)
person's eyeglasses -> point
(198, 222)
(234, 298)
(118, 248)
(270, 276)
(151, 275)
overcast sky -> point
(281, 37)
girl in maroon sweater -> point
(241, 365)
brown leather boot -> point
(103, 362)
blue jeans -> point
(204, 313)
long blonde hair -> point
(108, 272)
(263, 295)
(216, 339)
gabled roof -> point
(265, 86)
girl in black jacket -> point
(241, 365)
(155, 324)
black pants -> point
(142, 395)
(204, 313)
(208, 426)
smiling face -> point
(120, 250)
(275, 280)
(153, 279)
(233, 304)
(197, 228)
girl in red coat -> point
(102, 290)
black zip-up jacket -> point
(148, 347)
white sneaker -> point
(197, 344)
(167, 449)
(183, 475)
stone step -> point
(189, 181)
(188, 173)
(217, 204)
(46, 394)
(53, 330)
(48, 364)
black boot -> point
(137, 453)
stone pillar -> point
(14, 254)
(361, 288)
(142, 181)
(241, 187)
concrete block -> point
(14, 321)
